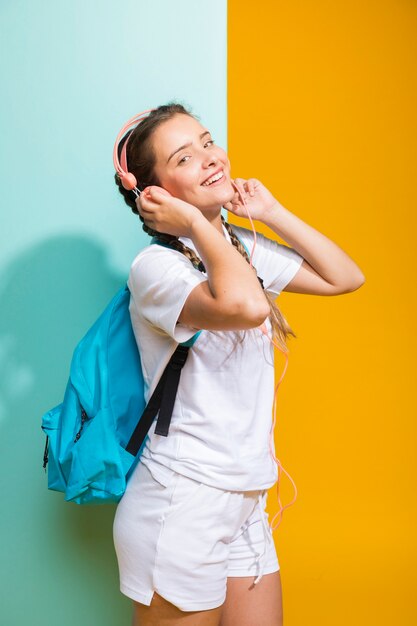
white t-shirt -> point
(219, 431)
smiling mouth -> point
(219, 181)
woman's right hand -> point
(166, 214)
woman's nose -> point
(211, 160)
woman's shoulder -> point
(265, 243)
(155, 254)
(162, 268)
(267, 250)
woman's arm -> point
(326, 269)
(232, 297)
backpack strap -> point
(163, 397)
(162, 400)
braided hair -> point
(141, 158)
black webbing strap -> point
(175, 366)
(162, 400)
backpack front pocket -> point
(96, 463)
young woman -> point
(190, 532)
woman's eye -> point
(211, 141)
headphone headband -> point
(127, 179)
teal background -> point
(71, 75)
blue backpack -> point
(94, 438)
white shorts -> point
(183, 540)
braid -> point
(175, 243)
(238, 245)
(280, 327)
(235, 240)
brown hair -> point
(141, 160)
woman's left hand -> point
(259, 200)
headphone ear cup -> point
(128, 180)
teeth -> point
(213, 178)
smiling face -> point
(186, 157)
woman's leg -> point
(247, 604)
(163, 613)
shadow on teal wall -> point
(59, 556)
(72, 74)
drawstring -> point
(267, 537)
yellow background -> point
(322, 109)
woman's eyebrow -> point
(207, 132)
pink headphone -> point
(127, 179)
(129, 182)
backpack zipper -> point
(45, 453)
(84, 418)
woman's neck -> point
(215, 220)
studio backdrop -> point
(317, 100)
